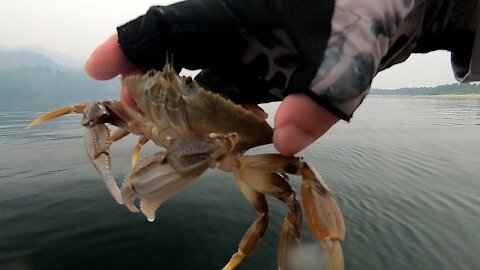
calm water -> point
(405, 172)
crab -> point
(200, 130)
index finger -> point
(107, 61)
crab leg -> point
(77, 108)
(276, 185)
(323, 215)
(291, 231)
(118, 134)
(252, 237)
(141, 141)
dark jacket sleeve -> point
(251, 51)
(256, 51)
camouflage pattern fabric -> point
(363, 32)
(257, 51)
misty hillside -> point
(11, 59)
(31, 78)
(60, 58)
(447, 89)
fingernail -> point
(290, 140)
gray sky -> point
(76, 27)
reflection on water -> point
(405, 173)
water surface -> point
(405, 173)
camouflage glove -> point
(256, 51)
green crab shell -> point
(180, 104)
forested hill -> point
(28, 78)
(448, 89)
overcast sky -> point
(76, 27)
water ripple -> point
(404, 173)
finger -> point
(299, 121)
(108, 61)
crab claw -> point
(159, 177)
(97, 144)
(154, 181)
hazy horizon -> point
(76, 27)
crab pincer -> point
(96, 138)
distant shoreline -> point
(459, 96)
(457, 90)
(463, 96)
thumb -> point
(299, 121)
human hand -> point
(308, 53)
(293, 131)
